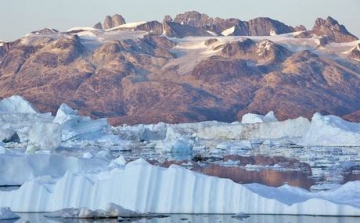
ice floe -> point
(70, 161)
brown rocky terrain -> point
(255, 27)
(331, 29)
(139, 75)
(113, 21)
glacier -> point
(70, 161)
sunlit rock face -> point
(331, 29)
(187, 69)
(113, 21)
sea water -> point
(195, 218)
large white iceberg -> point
(255, 118)
(75, 126)
(16, 104)
(44, 136)
(331, 130)
(145, 188)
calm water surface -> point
(186, 218)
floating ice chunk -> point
(111, 211)
(254, 118)
(154, 132)
(118, 162)
(64, 114)
(182, 146)
(44, 136)
(115, 210)
(331, 131)
(181, 149)
(78, 127)
(86, 213)
(65, 213)
(16, 104)
(7, 214)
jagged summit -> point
(261, 26)
(330, 29)
(111, 22)
(194, 23)
(333, 30)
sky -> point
(19, 17)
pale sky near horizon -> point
(19, 17)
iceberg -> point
(74, 164)
(144, 188)
(75, 126)
(111, 211)
(331, 130)
(16, 169)
(255, 118)
(16, 104)
(44, 136)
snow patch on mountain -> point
(228, 31)
(131, 25)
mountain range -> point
(189, 68)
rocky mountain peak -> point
(333, 30)
(98, 25)
(264, 26)
(329, 23)
(261, 26)
(114, 21)
(45, 31)
(193, 18)
(355, 53)
(167, 18)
